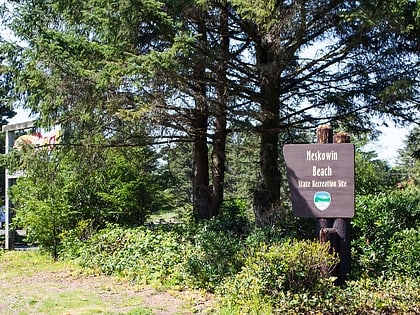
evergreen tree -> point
(408, 167)
(363, 69)
(198, 70)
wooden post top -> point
(324, 134)
(342, 137)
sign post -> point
(321, 180)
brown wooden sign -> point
(321, 179)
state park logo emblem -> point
(322, 200)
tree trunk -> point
(267, 194)
(219, 159)
(200, 180)
(219, 145)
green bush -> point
(377, 219)
(380, 295)
(112, 185)
(200, 256)
(404, 253)
(273, 271)
(232, 217)
(372, 174)
(220, 246)
(141, 254)
(72, 241)
(365, 296)
(40, 200)
(215, 251)
(212, 257)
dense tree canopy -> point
(197, 71)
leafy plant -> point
(213, 257)
(377, 219)
(40, 201)
(141, 254)
(404, 253)
(372, 174)
(57, 193)
(261, 272)
(274, 270)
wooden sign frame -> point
(321, 179)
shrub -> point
(365, 296)
(232, 217)
(200, 256)
(141, 254)
(377, 219)
(41, 205)
(380, 295)
(274, 271)
(219, 246)
(215, 251)
(262, 273)
(72, 241)
(404, 253)
(213, 257)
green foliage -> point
(378, 295)
(141, 254)
(404, 253)
(72, 240)
(58, 193)
(372, 174)
(408, 167)
(274, 271)
(177, 170)
(259, 272)
(40, 201)
(263, 13)
(200, 256)
(242, 161)
(377, 219)
(213, 257)
(233, 217)
(399, 295)
(123, 186)
(106, 66)
(219, 246)
(412, 142)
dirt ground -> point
(113, 296)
